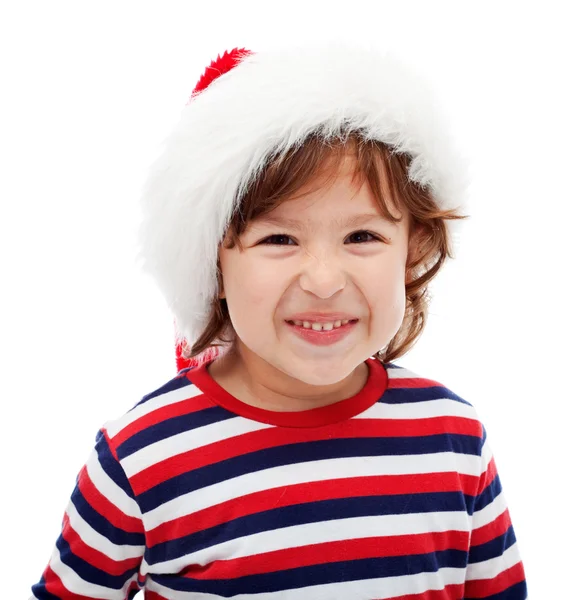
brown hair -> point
(287, 172)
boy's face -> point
(320, 267)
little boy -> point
(293, 223)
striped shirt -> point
(392, 493)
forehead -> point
(338, 195)
(337, 199)
(340, 222)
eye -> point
(274, 236)
(287, 237)
(372, 235)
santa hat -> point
(248, 106)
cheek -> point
(386, 282)
(386, 299)
(252, 291)
(253, 299)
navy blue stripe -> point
(309, 512)
(409, 395)
(90, 573)
(488, 495)
(102, 525)
(493, 548)
(517, 592)
(391, 365)
(39, 591)
(172, 426)
(484, 435)
(174, 384)
(304, 452)
(353, 570)
(111, 465)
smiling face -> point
(325, 264)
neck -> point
(270, 389)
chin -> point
(320, 371)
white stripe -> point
(77, 585)
(96, 540)
(297, 536)
(488, 569)
(321, 470)
(110, 489)
(419, 410)
(489, 512)
(172, 397)
(486, 456)
(402, 374)
(223, 430)
(188, 440)
(385, 587)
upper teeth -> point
(322, 326)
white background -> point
(89, 90)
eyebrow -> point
(298, 225)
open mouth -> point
(349, 322)
(323, 337)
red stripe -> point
(330, 552)
(482, 588)
(487, 476)
(94, 557)
(149, 595)
(109, 443)
(275, 436)
(54, 585)
(313, 491)
(106, 508)
(496, 528)
(454, 591)
(176, 409)
(412, 382)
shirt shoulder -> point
(420, 396)
(158, 415)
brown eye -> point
(280, 236)
(360, 234)
(275, 237)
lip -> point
(319, 317)
(322, 338)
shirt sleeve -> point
(495, 569)
(102, 542)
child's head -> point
(377, 271)
(280, 134)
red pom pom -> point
(218, 67)
(188, 363)
(181, 362)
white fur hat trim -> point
(267, 103)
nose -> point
(323, 277)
